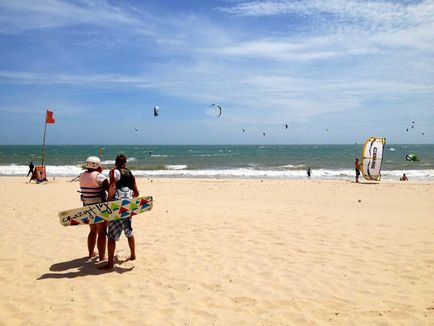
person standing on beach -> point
(122, 185)
(31, 167)
(93, 187)
(357, 167)
(308, 171)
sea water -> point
(221, 161)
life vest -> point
(125, 185)
(91, 192)
(126, 180)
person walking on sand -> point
(122, 185)
(93, 187)
(357, 167)
(31, 167)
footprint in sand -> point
(244, 301)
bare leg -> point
(111, 254)
(91, 240)
(132, 245)
(101, 242)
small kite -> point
(286, 126)
(263, 134)
(244, 130)
(136, 129)
(156, 111)
(219, 107)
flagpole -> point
(43, 142)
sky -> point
(334, 71)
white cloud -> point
(97, 80)
(362, 52)
(23, 15)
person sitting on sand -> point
(403, 178)
(122, 185)
(93, 186)
(357, 167)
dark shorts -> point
(115, 228)
(357, 172)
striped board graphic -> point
(106, 211)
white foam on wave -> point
(253, 173)
(159, 155)
(176, 167)
(52, 170)
(108, 162)
(281, 174)
(291, 166)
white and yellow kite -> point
(372, 157)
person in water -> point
(122, 185)
(31, 167)
(403, 178)
(93, 187)
(308, 171)
(357, 167)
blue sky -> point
(335, 71)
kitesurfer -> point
(93, 187)
(357, 167)
(122, 185)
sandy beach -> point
(226, 252)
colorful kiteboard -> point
(372, 157)
(106, 211)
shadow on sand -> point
(372, 183)
(82, 267)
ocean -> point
(221, 161)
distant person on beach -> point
(122, 185)
(308, 171)
(357, 167)
(403, 178)
(93, 187)
(31, 167)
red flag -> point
(49, 117)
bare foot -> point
(106, 267)
(132, 258)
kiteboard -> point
(372, 157)
(106, 211)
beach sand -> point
(225, 252)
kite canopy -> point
(411, 158)
(219, 109)
(372, 158)
(156, 111)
